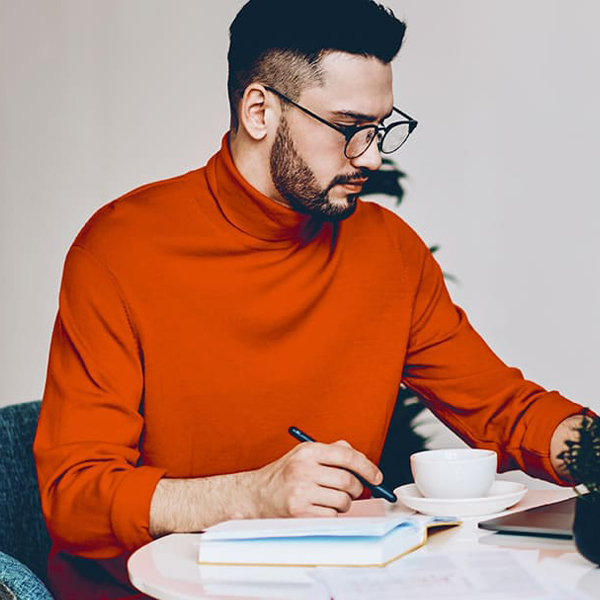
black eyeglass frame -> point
(349, 131)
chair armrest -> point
(17, 582)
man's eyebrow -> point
(350, 114)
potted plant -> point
(582, 461)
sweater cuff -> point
(541, 425)
(130, 509)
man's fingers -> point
(332, 499)
(343, 443)
(318, 511)
(314, 479)
(302, 500)
(342, 455)
(339, 479)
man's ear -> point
(255, 111)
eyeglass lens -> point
(395, 137)
(390, 142)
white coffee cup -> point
(454, 473)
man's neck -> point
(253, 165)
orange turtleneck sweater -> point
(198, 319)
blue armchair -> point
(24, 539)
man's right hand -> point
(312, 480)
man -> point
(202, 316)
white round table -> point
(167, 568)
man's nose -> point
(370, 159)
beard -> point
(297, 184)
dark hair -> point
(280, 43)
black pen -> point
(378, 491)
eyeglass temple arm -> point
(343, 131)
(408, 117)
(305, 110)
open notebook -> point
(356, 541)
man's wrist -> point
(247, 496)
(188, 505)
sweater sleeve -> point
(95, 498)
(486, 403)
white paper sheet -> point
(471, 575)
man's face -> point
(308, 167)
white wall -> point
(504, 173)
(98, 97)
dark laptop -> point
(552, 520)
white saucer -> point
(502, 495)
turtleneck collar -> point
(249, 210)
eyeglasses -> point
(360, 137)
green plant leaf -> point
(386, 181)
(582, 456)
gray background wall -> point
(98, 97)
